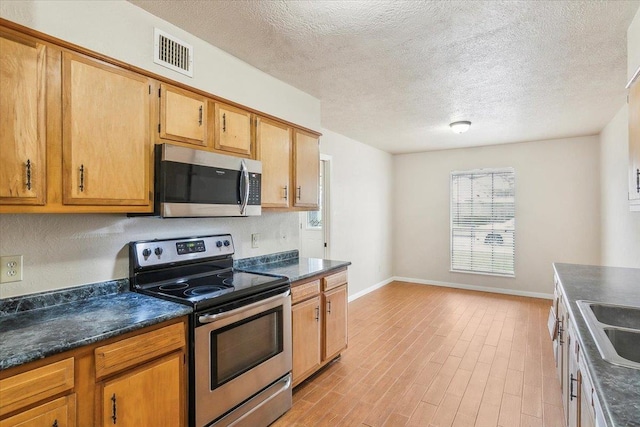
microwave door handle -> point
(244, 187)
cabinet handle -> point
(571, 395)
(55, 423)
(317, 313)
(329, 307)
(224, 122)
(560, 331)
(200, 117)
(638, 180)
(28, 174)
(286, 192)
(82, 178)
(113, 408)
(299, 192)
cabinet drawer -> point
(59, 412)
(305, 291)
(139, 349)
(29, 387)
(335, 280)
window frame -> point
(483, 171)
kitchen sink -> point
(616, 331)
(625, 342)
(616, 315)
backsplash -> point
(65, 250)
(61, 296)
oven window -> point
(241, 346)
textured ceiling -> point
(393, 74)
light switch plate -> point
(11, 268)
(255, 240)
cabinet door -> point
(634, 144)
(182, 116)
(60, 412)
(106, 134)
(22, 121)
(148, 396)
(335, 305)
(273, 141)
(232, 130)
(306, 323)
(306, 169)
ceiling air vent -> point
(172, 53)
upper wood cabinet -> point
(306, 169)
(232, 130)
(273, 142)
(183, 116)
(106, 133)
(22, 120)
(634, 145)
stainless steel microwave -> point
(196, 183)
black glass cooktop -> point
(213, 288)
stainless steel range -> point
(240, 353)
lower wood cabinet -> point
(319, 322)
(148, 396)
(137, 379)
(59, 412)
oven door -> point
(239, 353)
(192, 183)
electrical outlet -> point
(255, 240)
(11, 268)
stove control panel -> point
(158, 252)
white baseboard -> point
(370, 289)
(472, 288)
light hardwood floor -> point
(431, 356)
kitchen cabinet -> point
(319, 322)
(105, 133)
(139, 375)
(634, 145)
(183, 116)
(58, 413)
(22, 120)
(273, 142)
(306, 321)
(232, 131)
(306, 170)
(41, 384)
(148, 396)
(581, 406)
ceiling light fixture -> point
(460, 127)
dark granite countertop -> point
(617, 387)
(35, 333)
(290, 265)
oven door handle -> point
(208, 318)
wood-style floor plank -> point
(430, 356)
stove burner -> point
(203, 290)
(228, 281)
(174, 286)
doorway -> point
(314, 225)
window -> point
(483, 221)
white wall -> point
(620, 227)
(64, 250)
(557, 211)
(361, 209)
(633, 46)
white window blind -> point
(483, 221)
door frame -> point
(325, 164)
